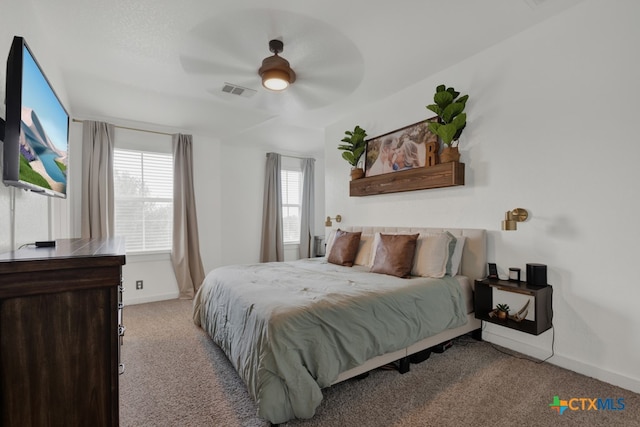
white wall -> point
(551, 129)
(243, 170)
(242, 174)
(156, 273)
(208, 183)
(32, 219)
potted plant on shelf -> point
(503, 311)
(353, 148)
(451, 120)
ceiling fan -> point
(328, 66)
(276, 73)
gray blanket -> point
(291, 328)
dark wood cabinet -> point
(542, 304)
(60, 310)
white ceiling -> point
(164, 62)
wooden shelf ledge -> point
(438, 176)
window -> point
(291, 199)
(143, 193)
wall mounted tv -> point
(36, 128)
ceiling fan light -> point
(276, 73)
(275, 79)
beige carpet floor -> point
(175, 376)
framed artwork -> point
(412, 146)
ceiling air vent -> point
(238, 90)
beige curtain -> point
(185, 252)
(97, 209)
(307, 208)
(272, 246)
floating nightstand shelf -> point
(542, 306)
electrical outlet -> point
(138, 284)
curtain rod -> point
(295, 157)
(134, 129)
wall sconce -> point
(328, 222)
(512, 218)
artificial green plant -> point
(503, 307)
(354, 145)
(451, 118)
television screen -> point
(36, 128)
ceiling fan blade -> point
(328, 65)
(195, 65)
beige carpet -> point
(175, 376)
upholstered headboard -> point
(474, 254)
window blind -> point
(291, 198)
(143, 196)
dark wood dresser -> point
(60, 333)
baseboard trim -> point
(150, 298)
(565, 362)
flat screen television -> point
(36, 128)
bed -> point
(291, 329)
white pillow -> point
(364, 256)
(432, 254)
(330, 239)
(374, 247)
(453, 267)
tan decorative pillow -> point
(364, 253)
(432, 254)
(345, 247)
(394, 254)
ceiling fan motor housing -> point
(276, 46)
(276, 67)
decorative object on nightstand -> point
(536, 274)
(522, 313)
(493, 271)
(451, 120)
(512, 218)
(502, 311)
(353, 148)
(514, 274)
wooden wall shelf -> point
(438, 176)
